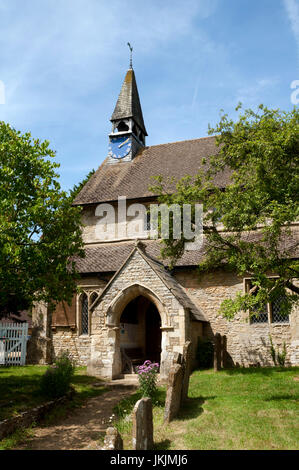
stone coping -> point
(33, 415)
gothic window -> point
(84, 314)
(92, 298)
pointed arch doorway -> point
(140, 333)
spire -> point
(128, 103)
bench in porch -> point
(131, 357)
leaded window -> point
(259, 316)
(277, 315)
(84, 314)
(274, 308)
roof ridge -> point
(181, 141)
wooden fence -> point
(13, 342)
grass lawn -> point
(231, 409)
(19, 388)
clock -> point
(119, 146)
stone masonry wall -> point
(246, 343)
(66, 339)
(91, 234)
(105, 351)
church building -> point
(130, 306)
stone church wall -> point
(65, 339)
(247, 344)
(136, 223)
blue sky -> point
(63, 62)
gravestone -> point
(187, 364)
(224, 351)
(143, 438)
(177, 358)
(217, 352)
(113, 440)
(174, 392)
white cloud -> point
(292, 8)
(253, 95)
(54, 52)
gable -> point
(154, 277)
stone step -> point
(127, 381)
(130, 376)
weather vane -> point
(131, 50)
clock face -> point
(119, 146)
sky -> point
(62, 64)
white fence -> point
(13, 342)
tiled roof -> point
(132, 179)
(23, 317)
(108, 257)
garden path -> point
(81, 430)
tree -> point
(77, 187)
(40, 231)
(248, 224)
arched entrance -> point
(106, 350)
(140, 333)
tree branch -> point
(291, 286)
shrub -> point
(147, 375)
(272, 351)
(277, 356)
(56, 380)
(205, 353)
(281, 356)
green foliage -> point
(20, 436)
(247, 224)
(77, 187)
(272, 351)
(124, 412)
(40, 230)
(281, 356)
(20, 389)
(147, 375)
(236, 409)
(57, 379)
(278, 356)
(205, 353)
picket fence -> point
(13, 343)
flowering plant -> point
(147, 375)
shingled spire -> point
(128, 129)
(128, 103)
